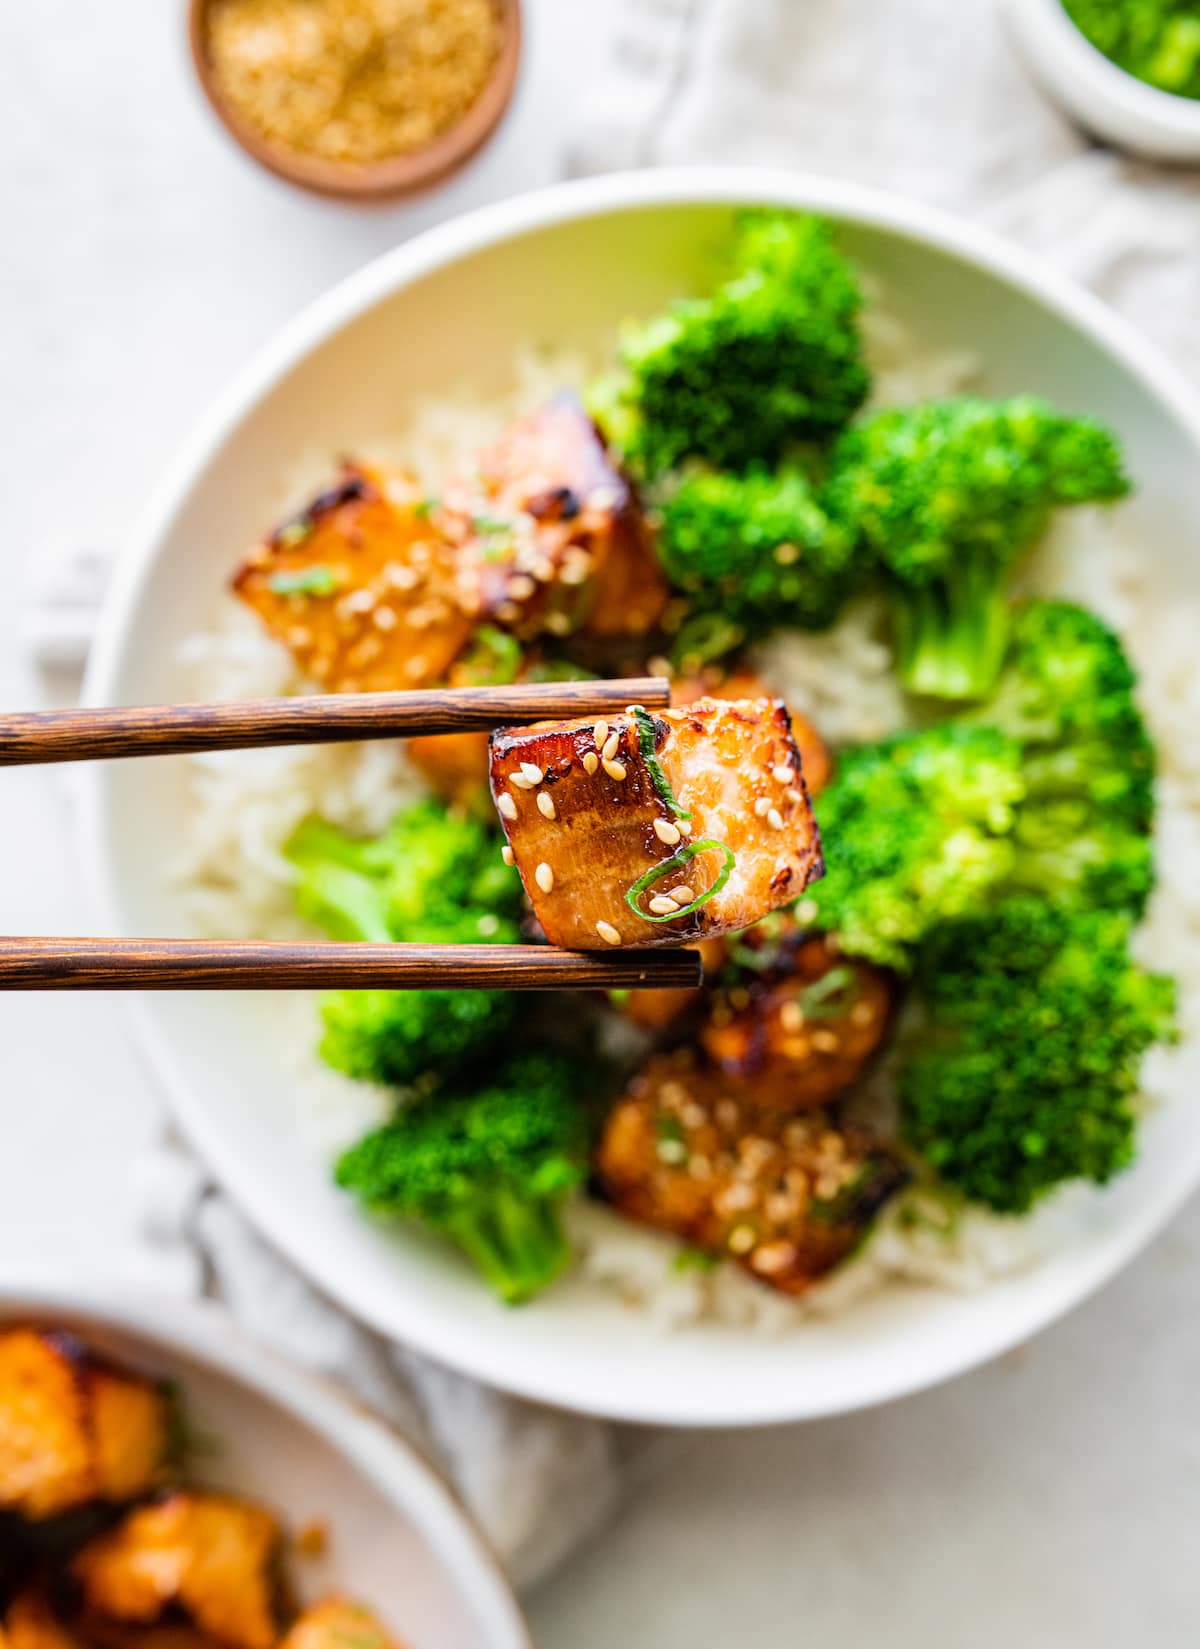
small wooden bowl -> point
(374, 180)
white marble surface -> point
(1050, 1500)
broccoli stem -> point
(951, 633)
(516, 1240)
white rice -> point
(237, 881)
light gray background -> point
(1052, 1500)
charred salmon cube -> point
(801, 1023)
(338, 1623)
(360, 587)
(30, 1623)
(551, 537)
(208, 1555)
(73, 1429)
(688, 1151)
(816, 759)
(699, 815)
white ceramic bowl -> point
(398, 1541)
(1103, 99)
(568, 265)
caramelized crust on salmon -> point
(337, 1623)
(72, 1429)
(360, 587)
(207, 1554)
(803, 1029)
(587, 817)
(551, 538)
(686, 1150)
(816, 759)
(30, 1623)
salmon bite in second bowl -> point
(754, 1201)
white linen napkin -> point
(919, 96)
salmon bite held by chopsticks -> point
(656, 828)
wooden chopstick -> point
(323, 718)
(62, 964)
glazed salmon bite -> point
(656, 829)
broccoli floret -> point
(1156, 40)
(488, 1166)
(1024, 1070)
(946, 496)
(1066, 694)
(772, 357)
(917, 830)
(433, 876)
(755, 549)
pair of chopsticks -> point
(33, 737)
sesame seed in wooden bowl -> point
(360, 98)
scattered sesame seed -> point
(791, 1016)
(600, 733)
(793, 796)
(401, 577)
(522, 781)
(488, 925)
(783, 773)
(611, 745)
(685, 827)
(615, 770)
(741, 1239)
(558, 624)
(521, 587)
(805, 911)
(775, 819)
(591, 762)
(543, 571)
(358, 601)
(544, 876)
(506, 805)
(546, 806)
(787, 554)
(414, 669)
(662, 905)
(860, 1014)
(683, 894)
(508, 612)
(666, 832)
(762, 807)
(533, 772)
(506, 852)
(385, 618)
(671, 1150)
(608, 933)
(825, 1042)
(299, 636)
(774, 1257)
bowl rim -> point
(205, 1334)
(1050, 34)
(921, 224)
(379, 179)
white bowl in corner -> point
(397, 1539)
(1102, 98)
(566, 266)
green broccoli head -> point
(1156, 40)
(488, 1166)
(427, 868)
(946, 496)
(433, 876)
(1066, 694)
(755, 549)
(772, 357)
(917, 830)
(1023, 1070)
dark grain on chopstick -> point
(322, 718)
(250, 964)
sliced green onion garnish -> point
(294, 533)
(678, 859)
(645, 728)
(424, 507)
(494, 659)
(831, 996)
(306, 581)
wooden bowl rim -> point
(397, 175)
